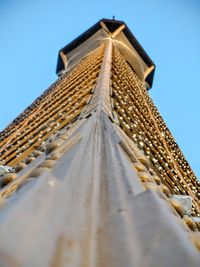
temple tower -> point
(90, 173)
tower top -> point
(123, 39)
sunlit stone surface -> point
(91, 175)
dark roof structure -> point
(112, 25)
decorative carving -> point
(141, 121)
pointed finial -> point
(113, 17)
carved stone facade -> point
(91, 175)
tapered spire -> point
(91, 175)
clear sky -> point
(32, 32)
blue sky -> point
(32, 32)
